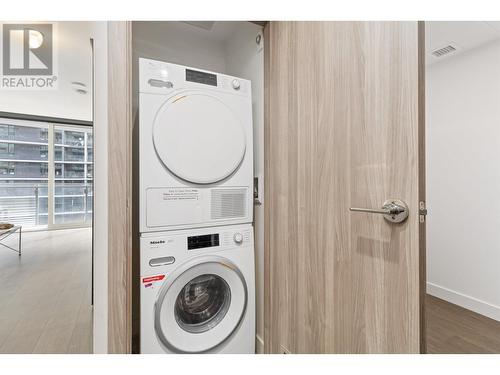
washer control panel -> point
(206, 239)
(222, 239)
(162, 251)
(202, 241)
(237, 238)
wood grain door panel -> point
(120, 234)
(342, 130)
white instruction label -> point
(181, 194)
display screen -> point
(199, 242)
(201, 77)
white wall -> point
(100, 234)
(245, 59)
(463, 179)
(73, 57)
(178, 43)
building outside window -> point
(46, 174)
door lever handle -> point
(394, 210)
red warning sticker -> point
(151, 279)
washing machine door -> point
(200, 305)
(198, 137)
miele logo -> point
(156, 242)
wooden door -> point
(344, 128)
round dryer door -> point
(201, 305)
(198, 138)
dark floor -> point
(453, 329)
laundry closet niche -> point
(234, 48)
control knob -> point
(236, 84)
(238, 238)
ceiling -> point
(154, 32)
(463, 35)
(73, 66)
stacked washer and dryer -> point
(196, 211)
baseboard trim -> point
(259, 345)
(467, 302)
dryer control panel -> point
(158, 77)
(201, 77)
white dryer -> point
(197, 291)
(196, 148)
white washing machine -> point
(196, 148)
(197, 291)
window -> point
(7, 168)
(44, 134)
(43, 184)
(44, 152)
(58, 137)
(44, 170)
(73, 175)
(6, 150)
(58, 170)
(90, 170)
(7, 132)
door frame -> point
(120, 233)
(421, 185)
(421, 189)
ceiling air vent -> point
(205, 25)
(444, 51)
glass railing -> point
(27, 203)
(72, 202)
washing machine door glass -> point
(200, 305)
(199, 138)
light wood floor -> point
(45, 302)
(45, 295)
(453, 329)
